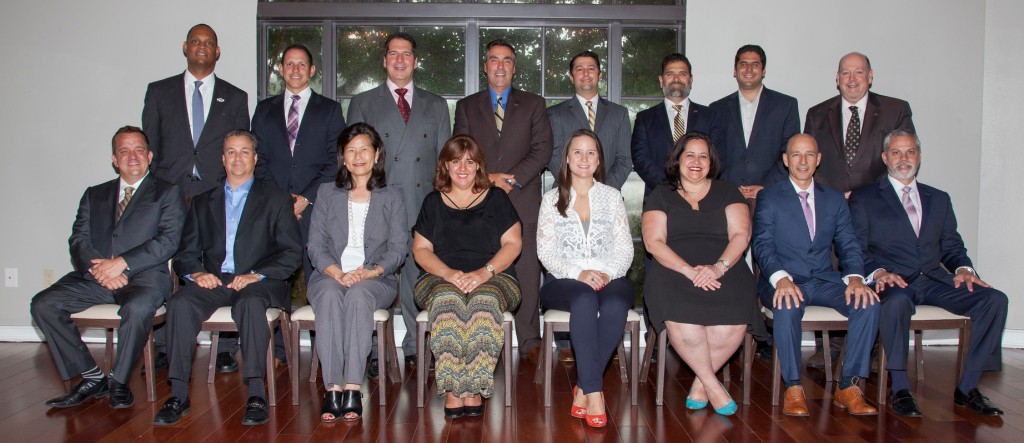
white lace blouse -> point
(565, 249)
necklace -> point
(460, 207)
(359, 228)
(694, 194)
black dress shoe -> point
(372, 371)
(172, 411)
(226, 362)
(84, 390)
(120, 395)
(977, 403)
(454, 413)
(764, 353)
(902, 403)
(256, 412)
(410, 360)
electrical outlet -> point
(11, 277)
(49, 276)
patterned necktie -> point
(852, 136)
(915, 220)
(591, 118)
(293, 123)
(499, 115)
(124, 203)
(403, 106)
(808, 215)
(198, 117)
(678, 125)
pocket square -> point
(220, 100)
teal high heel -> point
(729, 408)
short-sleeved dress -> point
(466, 239)
(699, 237)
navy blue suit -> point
(759, 161)
(652, 139)
(922, 261)
(782, 242)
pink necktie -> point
(915, 220)
(808, 215)
(293, 123)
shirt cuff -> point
(778, 275)
(968, 268)
(871, 277)
(846, 278)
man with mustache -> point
(909, 238)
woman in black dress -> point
(699, 288)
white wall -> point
(952, 60)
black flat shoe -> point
(256, 412)
(226, 362)
(372, 370)
(332, 406)
(903, 403)
(172, 411)
(976, 402)
(83, 391)
(120, 395)
(351, 405)
(454, 413)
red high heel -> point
(577, 411)
(600, 420)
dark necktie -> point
(403, 105)
(293, 123)
(124, 203)
(852, 136)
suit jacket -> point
(146, 236)
(524, 148)
(888, 239)
(781, 241)
(165, 121)
(652, 139)
(315, 160)
(385, 236)
(612, 126)
(825, 123)
(267, 241)
(758, 162)
(411, 149)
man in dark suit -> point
(909, 238)
(125, 231)
(657, 128)
(186, 116)
(756, 123)
(513, 128)
(610, 121)
(413, 133)
(240, 243)
(850, 126)
(796, 223)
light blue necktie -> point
(198, 120)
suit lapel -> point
(141, 194)
(487, 113)
(250, 217)
(278, 118)
(763, 104)
(820, 210)
(218, 212)
(661, 125)
(870, 117)
(925, 196)
(793, 205)
(835, 123)
(180, 107)
(394, 117)
(217, 105)
(579, 113)
(888, 194)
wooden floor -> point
(27, 379)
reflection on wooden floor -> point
(27, 379)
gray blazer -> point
(386, 237)
(412, 149)
(612, 129)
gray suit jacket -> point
(412, 148)
(612, 129)
(386, 237)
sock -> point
(969, 381)
(93, 374)
(899, 380)
(847, 381)
(179, 388)
(791, 383)
(256, 387)
(115, 378)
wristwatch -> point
(490, 269)
(725, 263)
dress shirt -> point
(234, 202)
(593, 104)
(303, 101)
(566, 248)
(408, 94)
(779, 275)
(494, 98)
(123, 184)
(748, 109)
(861, 105)
(206, 90)
(685, 110)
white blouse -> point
(565, 249)
(354, 254)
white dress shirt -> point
(123, 184)
(748, 109)
(303, 101)
(593, 105)
(685, 110)
(206, 90)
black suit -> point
(759, 161)
(146, 237)
(652, 139)
(267, 242)
(165, 120)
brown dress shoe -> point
(794, 402)
(852, 399)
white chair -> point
(105, 317)
(423, 328)
(221, 321)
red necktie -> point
(403, 106)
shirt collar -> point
(898, 185)
(593, 101)
(209, 80)
(245, 187)
(303, 94)
(809, 190)
(123, 184)
(494, 97)
(861, 104)
(686, 104)
(757, 98)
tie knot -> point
(907, 189)
(853, 109)
(128, 191)
(803, 195)
(590, 104)
(198, 83)
(295, 98)
(677, 107)
(401, 92)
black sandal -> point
(351, 403)
(332, 406)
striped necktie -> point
(678, 124)
(124, 203)
(591, 118)
(499, 115)
(293, 123)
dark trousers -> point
(51, 309)
(862, 327)
(596, 323)
(528, 273)
(985, 306)
(192, 305)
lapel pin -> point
(220, 100)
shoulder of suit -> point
(612, 105)
(169, 81)
(826, 105)
(660, 107)
(694, 106)
(520, 94)
(227, 86)
(425, 94)
(727, 101)
(481, 95)
(885, 100)
(776, 95)
(271, 192)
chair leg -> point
(965, 339)
(621, 352)
(382, 357)
(314, 361)
(421, 371)
(507, 327)
(271, 382)
(652, 338)
(748, 361)
(883, 376)
(776, 375)
(839, 366)
(147, 362)
(214, 337)
(634, 362)
(294, 357)
(392, 351)
(286, 328)
(546, 361)
(108, 351)
(919, 354)
(659, 398)
(538, 372)
(726, 375)
(826, 344)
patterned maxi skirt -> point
(465, 331)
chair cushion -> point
(304, 313)
(223, 315)
(107, 312)
(381, 315)
(927, 312)
(813, 313)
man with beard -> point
(909, 238)
(657, 128)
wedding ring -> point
(474, 282)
